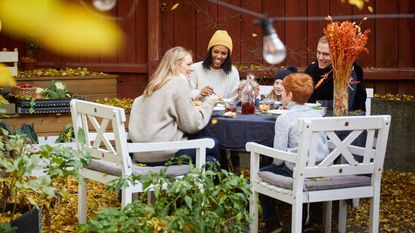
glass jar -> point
(248, 97)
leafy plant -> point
(202, 201)
(67, 135)
(57, 90)
(19, 161)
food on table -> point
(264, 107)
(229, 114)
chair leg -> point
(342, 216)
(374, 213)
(82, 203)
(327, 213)
(297, 216)
(126, 196)
(253, 211)
(356, 202)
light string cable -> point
(312, 18)
(129, 14)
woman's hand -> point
(206, 91)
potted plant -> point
(21, 190)
(31, 50)
(202, 201)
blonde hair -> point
(300, 85)
(272, 95)
(169, 66)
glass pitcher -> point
(248, 96)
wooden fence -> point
(154, 28)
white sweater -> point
(224, 85)
(167, 115)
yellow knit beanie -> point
(221, 37)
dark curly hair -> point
(226, 66)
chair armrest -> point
(271, 152)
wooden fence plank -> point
(367, 59)
(206, 25)
(387, 46)
(167, 32)
(406, 34)
(229, 20)
(251, 36)
(316, 28)
(296, 34)
(184, 26)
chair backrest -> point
(350, 138)
(105, 132)
(368, 103)
(10, 57)
(264, 90)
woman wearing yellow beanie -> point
(215, 74)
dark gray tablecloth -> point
(234, 133)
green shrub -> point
(202, 201)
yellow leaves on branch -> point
(61, 26)
(175, 6)
(358, 3)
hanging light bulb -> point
(274, 50)
(104, 5)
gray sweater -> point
(287, 134)
(167, 115)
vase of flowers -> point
(346, 41)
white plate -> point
(219, 108)
(313, 104)
(225, 100)
(277, 111)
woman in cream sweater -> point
(166, 111)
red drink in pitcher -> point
(248, 108)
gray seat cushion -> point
(112, 169)
(321, 183)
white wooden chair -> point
(264, 90)
(326, 181)
(368, 106)
(107, 143)
(10, 57)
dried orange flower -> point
(346, 41)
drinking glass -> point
(230, 106)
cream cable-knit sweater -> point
(224, 85)
(167, 115)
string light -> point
(274, 50)
(104, 5)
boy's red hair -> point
(300, 85)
